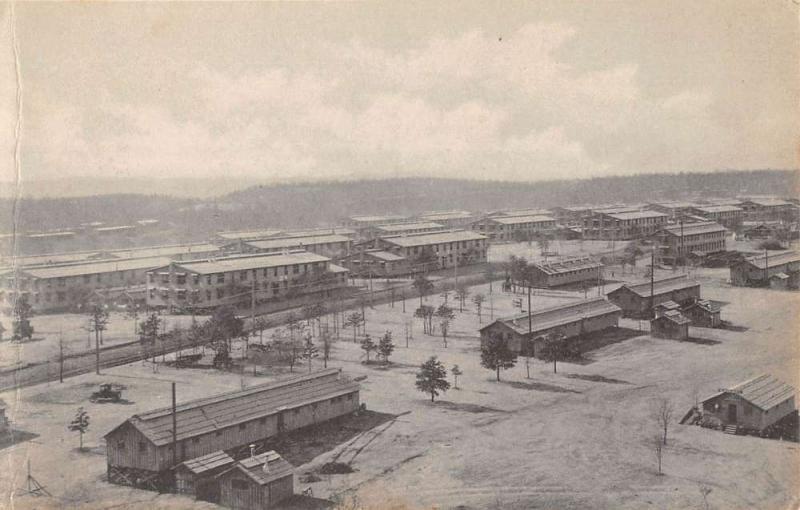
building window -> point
(195, 440)
(218, 433)
(243, 275)
(242, 426)
(120, 445)
(142, 446)
(262, 421)
(239, 484)
(221, 278)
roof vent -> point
(265, 467)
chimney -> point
(265, 467)
(252, 451)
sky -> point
(482, 90)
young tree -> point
(21, 326)
(80, 424)
(496, 355)
(224, 325)
(149, 328)
(461, 293)
(423, 287)
(456, 372)
(662, 411)
(310, 350)
(260, 325)
(327, 339)
(478, 299)
(445, 315)
(291, 324)
(555, 348)
(491, 274)
(385, 346)
(426, 313)
(432, 378)
(354, 320)
(367, 345)
(658, 449)
(98, 321)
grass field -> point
(576, 439)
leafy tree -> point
(461, 293)
(496, 355)
(555, 348)
(21, 326)
(260, 325)
(478, 299)
(310, 350)
(224, 325)
(149, 328)
(367, 345)
(432, 378)
(456, 372)
(426, 313)
(771, 244)
(423, 287)
(445, 315)
(291, 324)
(80, 424)
(354, 320)
(385, 346)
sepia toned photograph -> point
(445, 255)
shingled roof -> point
(763, 391)
(225, 410)
(559, 315)
(253, 467)
(662, 286)
(567, 265)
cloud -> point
(465, 105)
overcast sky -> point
(504, 90)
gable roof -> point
(433, 238)
(635, 215)
(673, 316)
(208, 462)
(662, 286)
(690, 229)
(717, 208)
(208, 414)
(558, 315)
(515, 220)
(567, 265)
(763, 391)
(402, 227)
(247, 262)
(773, 259)
(96, 267)
(248, 234)
(295, 242)
(253, 467)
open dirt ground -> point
(575, 439)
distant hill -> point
(326, 203)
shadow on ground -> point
(601, 339)
(303, 445)
(13, 436)
(596, 378)
(465, 407)
(702, 341)
(538, 386)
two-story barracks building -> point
(236, 279)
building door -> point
(731, 413)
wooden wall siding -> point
(552, 280)
(573, 329)
(160, 458)
(757, 419)
(633, 304)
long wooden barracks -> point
(140, 450)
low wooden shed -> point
(196, 476)
(754, 404)
(259, 482)
(671, 324)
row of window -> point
(218, 278)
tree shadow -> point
(702, 341)
(13, 436)
(596, 378)
(538, 386)
(465, 407)
(600, 339)
(302, 502)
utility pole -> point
(766, 266)
(60, 357)
(652, 281)
(96, 348)
(174, 428)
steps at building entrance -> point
(731, 429)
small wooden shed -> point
(196, 476)
(671, 324)
(258, 482)
(703, 313)
(754, 404)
